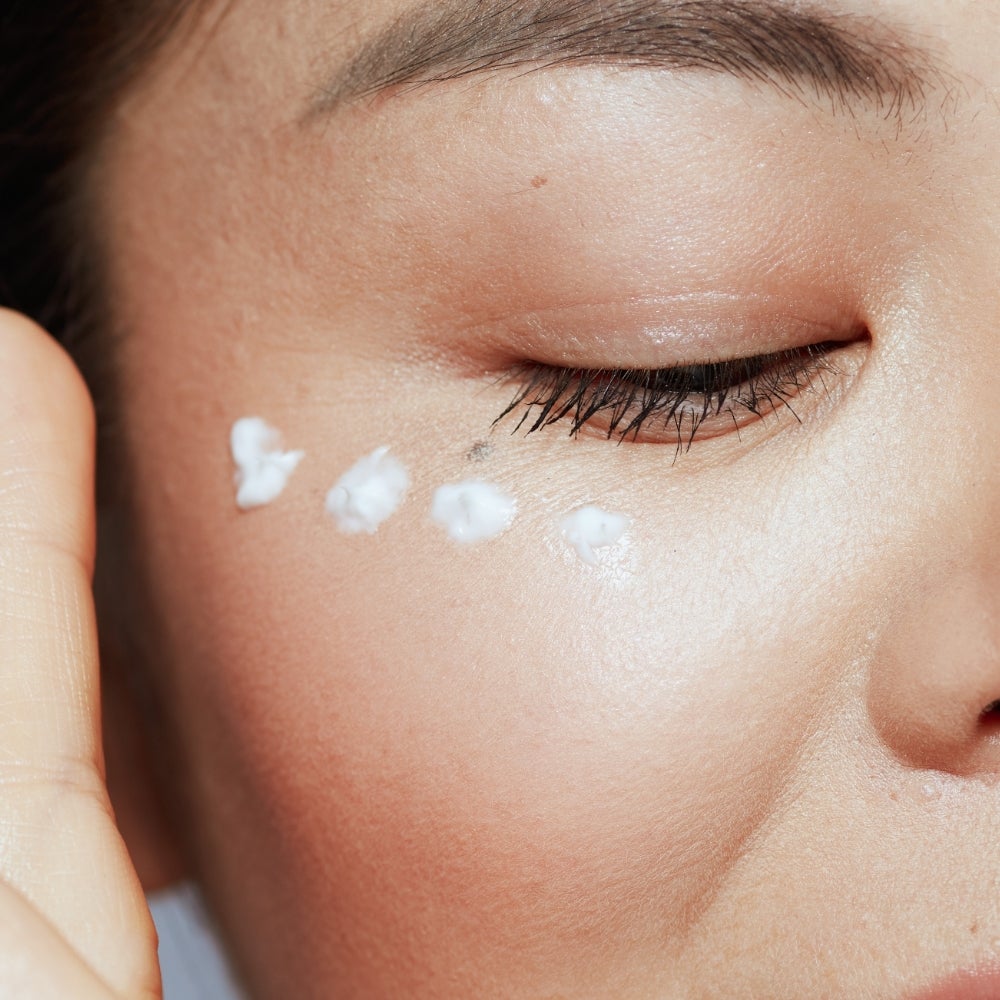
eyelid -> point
(658, 332)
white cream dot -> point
(590, 528)
(473, 511)
(263, 468)
(369, 493)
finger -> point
(35, 962)
(58, 842)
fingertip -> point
(47, 440)
(38, 369)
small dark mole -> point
(480, 451)
(539, 182)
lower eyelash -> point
(678, 400)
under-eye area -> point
(679, 404)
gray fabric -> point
(193, 964)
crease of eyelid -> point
(636, 403)
(635, 333)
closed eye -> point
(674, 405)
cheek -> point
(498, 738)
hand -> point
(73, 919)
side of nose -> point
(934, 689)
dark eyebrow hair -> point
(846, 59)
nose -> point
(933, 685)
(934, 690)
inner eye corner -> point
(851, 336)
(859, 333)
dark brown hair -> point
(63, 64)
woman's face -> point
(744, 755)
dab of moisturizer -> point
(368, 493)
(591, 528)
(263, 467)
(473, 511)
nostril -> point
(991, 717)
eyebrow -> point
(843, 60)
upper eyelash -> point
(631, 399)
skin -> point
(745, 756)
